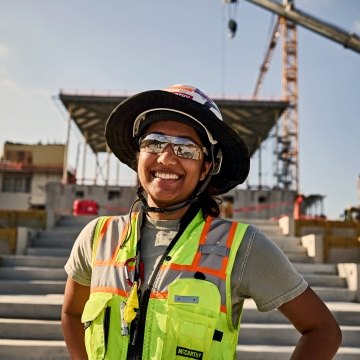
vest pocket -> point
(96, 320)
(192, 313)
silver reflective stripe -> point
(186, 299)
(214, 249)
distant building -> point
(25, 170)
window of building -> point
(79, 194)
(113, 194)
(16, 183)
(262, 199)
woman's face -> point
(169, 179)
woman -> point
(169, 281)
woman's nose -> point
(167, 156)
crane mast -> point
(287, 142)
(286, 147)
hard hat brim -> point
(119, 135)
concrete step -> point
(36, 261)
(286, 334)
(45, 307)
(272, 230)
(30, 329)
(335, 294)
(64, 229)
(11, 349)
(47, 251)
(76, 221)
(56, 237)
(31, 273)
(283, 239)
(56, 241)
(266, 352)
(296, 257)
(325, 280)
(35, 287)
(346, 313)
(306, 268)
(291, 247)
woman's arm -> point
(75, 298)
(320, 333)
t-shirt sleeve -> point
(78, 266)
(264, 273)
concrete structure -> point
(25, 171)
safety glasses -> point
(183, 147)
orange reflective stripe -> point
(230, 238)
(112, 260)
(205, 230)
(121, 239)
(104, 229)
(99, 239)
(206, 270)
(108, 289)
(159, 295)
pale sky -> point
(122, 47)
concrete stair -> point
(31, 294)
(32, 285)
(291, 245)
(265, 336)
(58, 241)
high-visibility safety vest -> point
(188, 306)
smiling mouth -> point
(166, 176)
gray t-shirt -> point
(261, 270)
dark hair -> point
(209, 205)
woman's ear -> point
(205, 170)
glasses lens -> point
(182, 147)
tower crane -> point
(287, 168)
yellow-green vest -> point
(186, 316)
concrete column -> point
(24, 236)
(84, 159)
(314, 245)
(351, 272)
(66, 150)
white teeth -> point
(166, 176)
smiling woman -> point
(169, 280)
